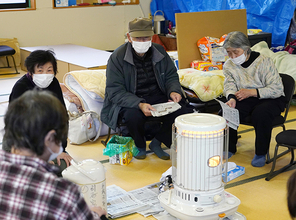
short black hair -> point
(30, 117)
(39, 58)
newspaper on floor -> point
(123, 203)
(143, 201)
(165, 108)
(231, 115)
(149, 196)
(164, 216)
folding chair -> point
(287, 139)
(8, 51)
(279, 121)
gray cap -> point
(140, 27)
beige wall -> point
(97, 27)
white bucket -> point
(90, 176)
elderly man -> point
(139, 75)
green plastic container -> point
(118, 144)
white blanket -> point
(89, 87)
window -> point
(13, 4)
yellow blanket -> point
(90, 80)
(206, 85)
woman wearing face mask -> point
(254, 87)
(35, 125)
(42, 68)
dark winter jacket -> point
(121, 80)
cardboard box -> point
(192, 26)
(234, 173)
(206, 65)
(122, 158)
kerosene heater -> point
(199, 141)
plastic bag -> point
(82, 127)
(211, 49)
(118, 144)
(291, 48)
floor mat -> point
(7, 84)
(5, 90)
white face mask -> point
(239, 60)
(141, 47)
(53, 154)
(43, 80)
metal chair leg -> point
(270, 175)
(104, 142)
(278, 156)
(269, 160)
(14, 65)
(8, 65)
(273, 173)
(7, 61)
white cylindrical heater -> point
(197, 160)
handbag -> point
(82, 127)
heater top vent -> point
(200, 122)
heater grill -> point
(183, 195)
(199, 150)
(193, 160)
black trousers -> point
(262, 112)
(135, 121)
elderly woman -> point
(42, 68)
(254, 87)
(35, 125)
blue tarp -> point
(272, 16)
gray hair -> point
(237, 39)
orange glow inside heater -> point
(201, 134)
(214, 161)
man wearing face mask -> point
(140, 74)
(42, 68)
(254, 87)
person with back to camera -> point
(35, 125)
(254, 87)
(42, 69)
(139, 74)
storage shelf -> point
(118, 2)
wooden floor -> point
(260, 199)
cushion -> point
(286, 137)
(6, 50)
